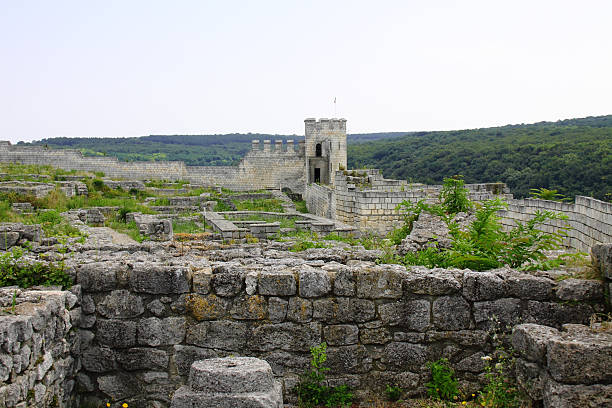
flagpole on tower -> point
(335, 114)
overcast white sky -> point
(132, 68)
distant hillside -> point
(195, 150)
(573, 156)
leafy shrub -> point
(545, 194)
(484, 245)
(454, 196)
(393, 392)
(23, 274)
(312, 390)
(98, 185)
(443, 384)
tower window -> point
(317, 175)
(318, 150)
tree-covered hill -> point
(573, 156)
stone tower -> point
(325, 150)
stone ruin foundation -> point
(139, 316)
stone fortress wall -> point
(268, 167)
(143, 323)
(368, 201)
(362, 198)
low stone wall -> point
(590, 219)
(320, 201)
(372, 206)
(369, 202)
(39, 348)
(144, 322)
(567, 368)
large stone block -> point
(119, 387)
(285, 336)
(299, 310)
(580, 290)
(313, 282)
(277, 283)
(116, 333)
(344, 284)
(382, 282)
(121, 304)
(159, 279)
(406, 314)
(497, 314)
(277, 309)
(230, 375)
(435, 282)
(580, 357)
(451, 313)
(184, 356)
(99, 276)
(525, 286)
(161, 332)
(349, 359)
(482, 286)
(143, 359)
(249, 308)
(531, 378)
(555, 314)
(225, 335)
(343, 310)
(341, 334)
(405, 356)
(601, 254)
(208, 307)
(530, 340)
(228, 284)
(283, 362)
(558, 395)
(99, 359)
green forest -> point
(573, 156)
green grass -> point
(130, 229)
(300, 206)
(187, 227)
(25, 275)
(259, 204)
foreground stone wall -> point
(567, 368)
(145, 322)
(39, 348)
(259, 169)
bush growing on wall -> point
(484, 245)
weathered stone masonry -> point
(259, 169)
(369, 202)
(39, 348)
(143, 320)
